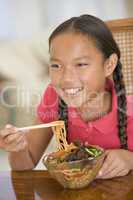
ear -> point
(110, 65)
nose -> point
(69, 75)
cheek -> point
(88, 76)
(93, 80)
(55, 77)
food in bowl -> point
(76, 166)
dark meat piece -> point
(78, 154)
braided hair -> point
(96, 29)
(121, 99)
(63, 113)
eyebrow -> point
(54, 59)
(82, 57)
(78, 58)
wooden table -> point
(36, 185)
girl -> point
(88, 92)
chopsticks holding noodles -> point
(47, 125)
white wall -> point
(23, 19)
(31, 21)
(105, 9)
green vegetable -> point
(93, 151)
(89, 151)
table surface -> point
(38, 185)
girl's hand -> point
(117, 163)
(12, 140)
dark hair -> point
(96, 29)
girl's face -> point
(76, 68)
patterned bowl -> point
(73, 174)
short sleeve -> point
(130, 106)
(47, 110)
(130, 133)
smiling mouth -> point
(72, 91)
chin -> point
(75, 102)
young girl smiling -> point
(88, 92)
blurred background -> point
(24, 30)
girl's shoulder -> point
(47, 110)
(130, 106)
(50, 95)
(130, 119)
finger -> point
(14, 141)
(103, 170)
(13, 138)
(9, 126)
(21, 146)
(109, 174)
(112, 174)
(107, 166)
(23, 131)
(123, 172)
(86, 143)
(15, 147)
(115, 173)
(7, 131)
(109, 169)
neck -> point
(97, 108)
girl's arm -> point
(26, 159)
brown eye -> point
(81, 64)
(54, 66)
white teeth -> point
(72, 91)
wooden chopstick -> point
(47, 125)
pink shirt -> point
(102, 132)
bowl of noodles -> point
(76, 166)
